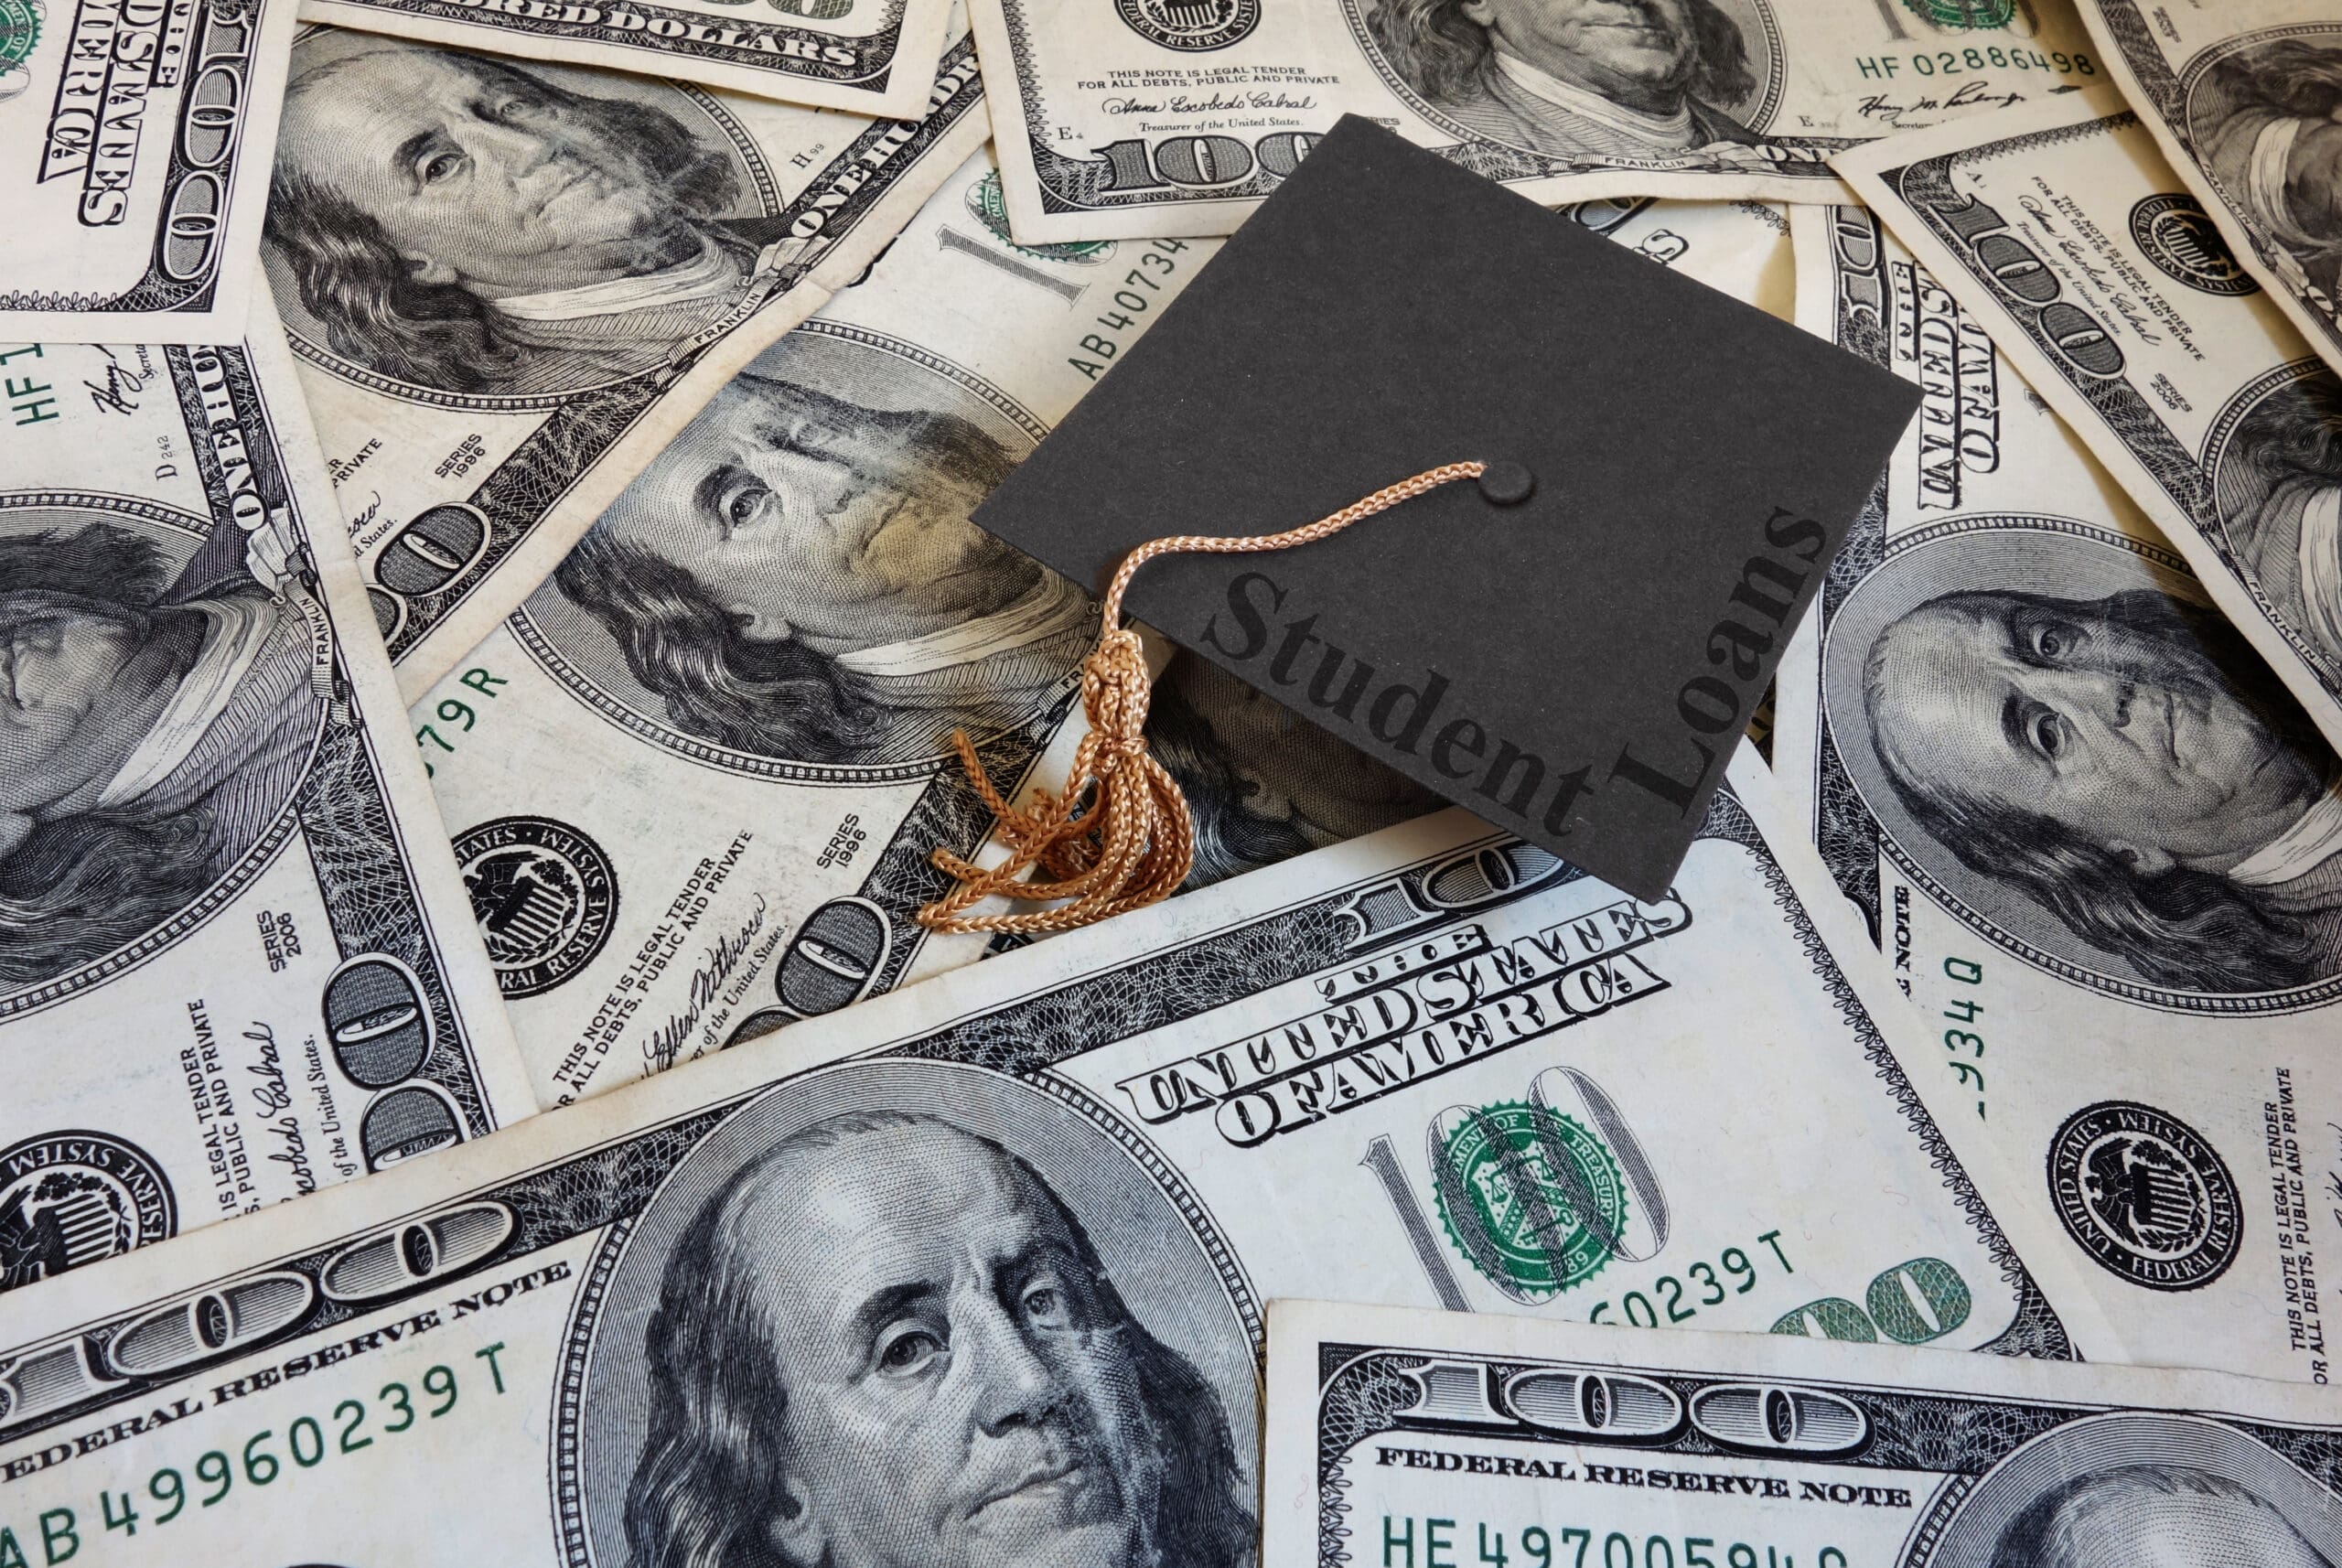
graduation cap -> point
(1569, 639)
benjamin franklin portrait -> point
(1576, 78)
(2128, 764)
(478, 225)
(795, 575)
(2153, 1516)
(2278, 479)
(154, 721)
(887, 1342)
(2265, 122)
(2141, 1489)
(1262, 784)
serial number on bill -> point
(1974, 58)
(247, 1466)
(1409, 1541)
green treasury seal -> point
(1533, 1199)
(19, 36)
(1968, 16)
(989, 207)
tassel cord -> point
(1120, 836)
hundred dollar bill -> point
(511, 285)
(872, 56)
(138, 134)
(1160, 117)
(2062, 229)
(235, 966)
(977, 1271)
(695, 782)
(2095, 834)
(1264, 784)
(2242, 99)
(1404, 1438)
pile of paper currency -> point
(485, 591)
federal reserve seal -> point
(1532, 1198)
(1190, 27)
(989, 207)
(2179, 236)
(2146, 1197)
(545, 898)
(71, 1198)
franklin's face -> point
(62, 666)
(477, 174)
(1623, 49)
(2154, 1531)
(2313, 179)
(2116, 725)
(958, 1395)
(844, 536)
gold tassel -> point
(1120, 837)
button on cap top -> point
(1506, 483)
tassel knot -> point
(1120, 836)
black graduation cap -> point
(1571, 646)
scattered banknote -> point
(511, 285)
(2062, 229)
(234, 966)
(2090, 827)
(1407, 1437)
(1000, 1245)
(695, 782)
(1164, 117)
(872, 57)
(2243, 98)
(138, 139)
(1265, 784)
